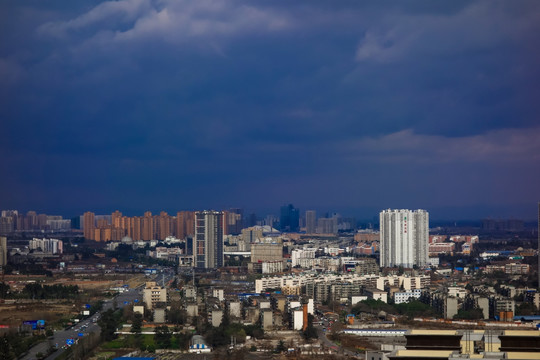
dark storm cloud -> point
(139, 104)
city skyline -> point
(360, 214)
(350, 107)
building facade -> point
(404, 238)
(208, 239)
(311, 221)
(3, 252)
(289, 219)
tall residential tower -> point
(404, 238)
(208, 239)
(311, 221)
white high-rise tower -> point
(404, 238)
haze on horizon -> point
(351, 107)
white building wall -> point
(404, 237)
(298, 319)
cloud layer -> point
(136, 104)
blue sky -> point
(338, 106)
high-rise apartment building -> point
(31, 221)
(147, 226)
(311, 221)
(232, 221)
(163, 226)
(116, 219)
(327, 225)
(3, 252)
(404, 238)
(185, 224)
(89, 223)
(208, 239)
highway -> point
(84, 327)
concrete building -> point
(252, 234)
(469, 344)
(267, 318)
(138, 309)
(456, 291)
(298, 254)
(88, 225)
(403, 297)
(49, 246)
(269, 267)
(190, 292)
(218, 293)
(266, 255)
(376, 294)
(216, 317)
(265, 304)
(208, 240)
(297, 315)
(235, 309)
(404, 238)
(327, 225)
(357, 298)
(3, 252)
(267, 249)
(252, 314)
(192, 310)
(473, 301)
(153, 294)
(451, 307)
(294, 283)
(159, 316)
(311, 221)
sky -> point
(349, 106)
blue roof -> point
(527, 317)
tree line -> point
(40, 292)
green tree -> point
(4, 290)
(281, 347)
(472, 314)
(137, 324)
(216, 337)
(183, 340)
(526, 309)
(5, 349)
(237, 331)
(108, 322)
(414, 308)
(176, 316)
(162, 337)
(254, 331)
(310, 332)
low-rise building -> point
(403, 297)
(376, 294)
(154, 294)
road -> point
(84, 327)
(329, 344)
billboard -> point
(35, 324)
